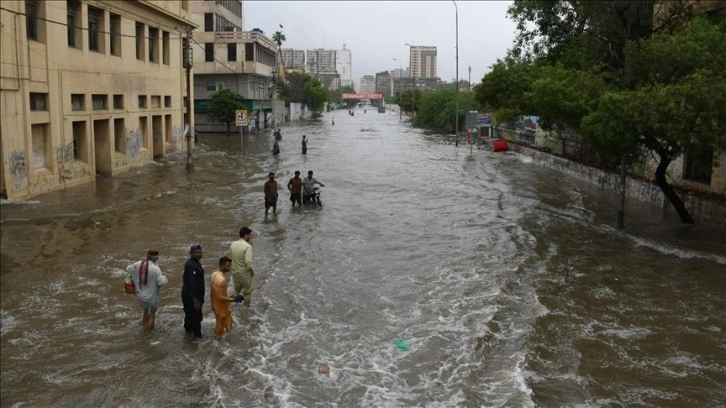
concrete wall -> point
(702, 209)
(69, 111)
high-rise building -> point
(344, 66)
(88, 87)
(383, 83)
(368, 84)
(294, 60)
(422, 62)
(320, 61)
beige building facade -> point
(88, 88)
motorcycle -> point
(314, 198)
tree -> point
(222, 106)
(279, 38)
(631, 76)
(292, 89)
(315, 96)
(437, 109)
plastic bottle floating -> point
(402, 345)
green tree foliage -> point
(409, 100)
(293, 88)
(437, 109)
(315, 96)
(222, 106)
(631, 77)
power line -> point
(84, 29)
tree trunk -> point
(660, 179)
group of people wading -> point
(148, 279)
(302, 190)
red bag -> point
(129, 286)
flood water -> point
(507, 281)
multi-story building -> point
(422, 61)
(383, 84)
(344, 66)
(320, 61)
(293, 60)
(368, 84)
(87, 88)
(226, 56)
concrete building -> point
(422, 62)
(320, 61)
(367, 84)
(87, 88)
(344, 66)
(383, 84)
(226, 56)
(294, 60)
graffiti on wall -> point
(18, 168)
(133, 144)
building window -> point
(115, 31)
(73, 20)
(118, 101)
(119, 135)
(215, 86)
(209, 52)
(231, 52)
(142, 101)
(98, 102)
(165, 47)
(31, 19)
(38, 101)
(167, 101)
(155, 101)
(78, 102)
(140, 41)
(249, 52)
(80, 149)
(42, 154)
(95, 26)
(208, 22)
(153, 45)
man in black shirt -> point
(192, 293)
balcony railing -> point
(245, 37)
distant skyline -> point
(377, 31)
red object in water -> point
(500, 145)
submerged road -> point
(506, 280)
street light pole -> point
(400, 75)
(456, 118)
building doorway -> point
(102, 148)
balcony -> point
(244, 37)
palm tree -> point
(279, 38)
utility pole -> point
(469, 77)
(188, 62)
(456, 118)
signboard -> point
(362, 96)
(240, 117)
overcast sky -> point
(376, 31)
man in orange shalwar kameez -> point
(220, 298)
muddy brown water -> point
(506, 280)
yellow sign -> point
(240, 117)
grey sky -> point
(376, 31)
